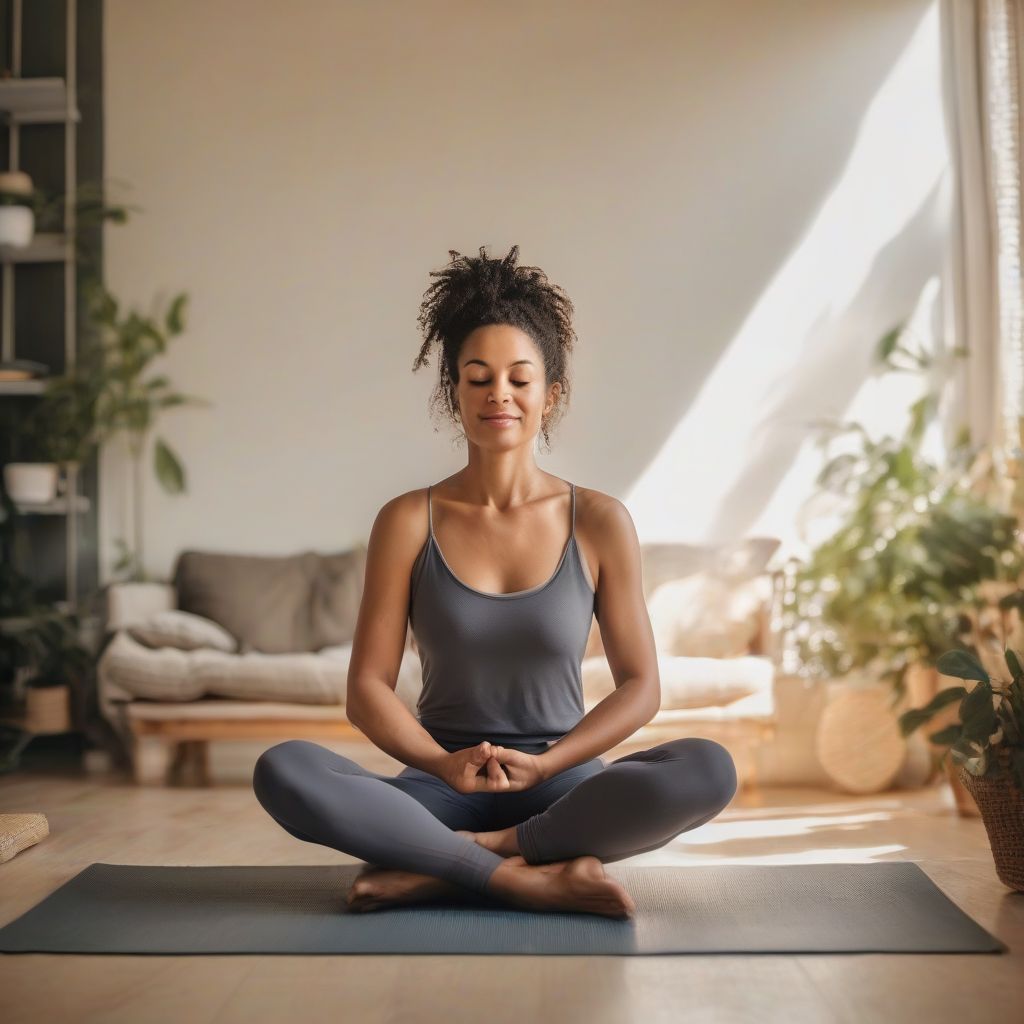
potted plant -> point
(109, 392)
(888, 592)
(44, 645)
(987, 745)
(58, 661)
(17, 201)
(61, 432)
(90, 210)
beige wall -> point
(675, 166)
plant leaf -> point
(168, 468)
(977, 713)
(961, 664)
(175, 319)
(1013, 664)
(916, 717)
(947, 736)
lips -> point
(503, 418)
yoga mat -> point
(886, 907)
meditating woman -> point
(505, 794)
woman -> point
(505, 794)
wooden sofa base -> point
(165, 750)
(175, 751)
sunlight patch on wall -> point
(709, 482)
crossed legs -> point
(414, 822)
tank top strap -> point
(572, 523)
(430, 514)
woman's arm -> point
(628, 642)
(388, 723)
(378, 645)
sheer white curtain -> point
(982, 44)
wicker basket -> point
(1002, 810)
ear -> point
(556, 391)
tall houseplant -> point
(889, 588)
(110, 391)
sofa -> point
(257, 647)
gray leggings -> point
(611, 811)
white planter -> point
(31, 481)
(17, 225)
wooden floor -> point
(97, 818)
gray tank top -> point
(500, 667)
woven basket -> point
(20, 831)
(1002, 810)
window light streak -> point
(899, 158)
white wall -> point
(739, 197)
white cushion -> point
(167, 673)
(705, 616)
(688, 682)
(182, 630)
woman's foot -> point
(577, 884)
(504, 841)
(375, 888)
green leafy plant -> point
(989, 738)
(91, 210)
(50, 646)
(110, 391)
(891, 585)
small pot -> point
(17, 225)
(31, 481)
(48, 709)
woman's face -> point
(501, 371)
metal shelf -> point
(36, 101)
(58, 507)
(35, 386)
(24, 102)
(45, 247)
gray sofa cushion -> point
(275, 604)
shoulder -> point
(601, 515)
(607, 537)
(402, 520)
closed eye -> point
(517, 383)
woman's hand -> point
(488, 768)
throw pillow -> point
(705, 616)
(182, 630)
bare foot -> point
(375, 888)
(503, 841)
(577, 884)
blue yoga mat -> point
(886, 907)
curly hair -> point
(474, 291)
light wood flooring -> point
(105, 818)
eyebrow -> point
(482, 363)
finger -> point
(476, 780)
(496, 775)
(480, 753)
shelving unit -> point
(45, 101)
